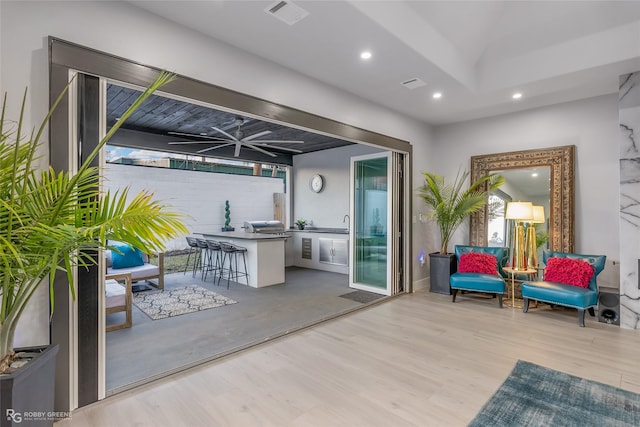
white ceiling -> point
(477, 53)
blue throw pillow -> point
(129, 257)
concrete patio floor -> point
(152, 348)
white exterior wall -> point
(200, 196)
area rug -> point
(361, 296)
(141, 287)
(536, 396)
(174, 302)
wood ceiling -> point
(152, 126)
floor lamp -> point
(519, 211)
(532, 248)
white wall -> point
(124, 30)
(327, 208)
(200, 196)
(591, 125)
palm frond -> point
(54, 221)
(452, 204)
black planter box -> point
(442, 266)
(26, 396)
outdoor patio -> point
(151, 348)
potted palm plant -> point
(451, 205)
(56, 221)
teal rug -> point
(537, 396)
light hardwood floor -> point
(415, 360)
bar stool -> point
(194, 250)
(231, 252)
(215, 260)
(205, 255)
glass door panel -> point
(371, 228)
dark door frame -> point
(66, 57)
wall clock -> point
(316, 183)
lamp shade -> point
(538, 215)
(522, 211)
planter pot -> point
(26, 396)
(228, 229)
(442, 266)
(300, 226)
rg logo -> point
(14, 416)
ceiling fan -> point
(238, 139)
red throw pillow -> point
(476, 262)
(569, 271)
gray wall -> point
(591, 125)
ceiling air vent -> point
(286, 11)
(413, 83)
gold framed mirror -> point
(560, 161)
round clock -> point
(316, 183)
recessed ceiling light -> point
(516, 95)
(437, 95)
(365, 55)
(535, 174)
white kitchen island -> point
(265, 255)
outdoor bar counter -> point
(265, 255)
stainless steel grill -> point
(271, 227)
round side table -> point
(513, 272)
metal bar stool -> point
(194, 250)
(205, 255)
(215, 261)
(230, 252)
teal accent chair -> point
(478, 282)
(556, 293)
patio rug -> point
(142, 287)
(174, 302)
(361, 296)
(537, 396)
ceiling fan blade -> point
(260, 150)
(220, 141)
(214, 147)
(292, 150)
(237, 152)
(193, 135)
(280, 141)
(256, 135)
(228, 135)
